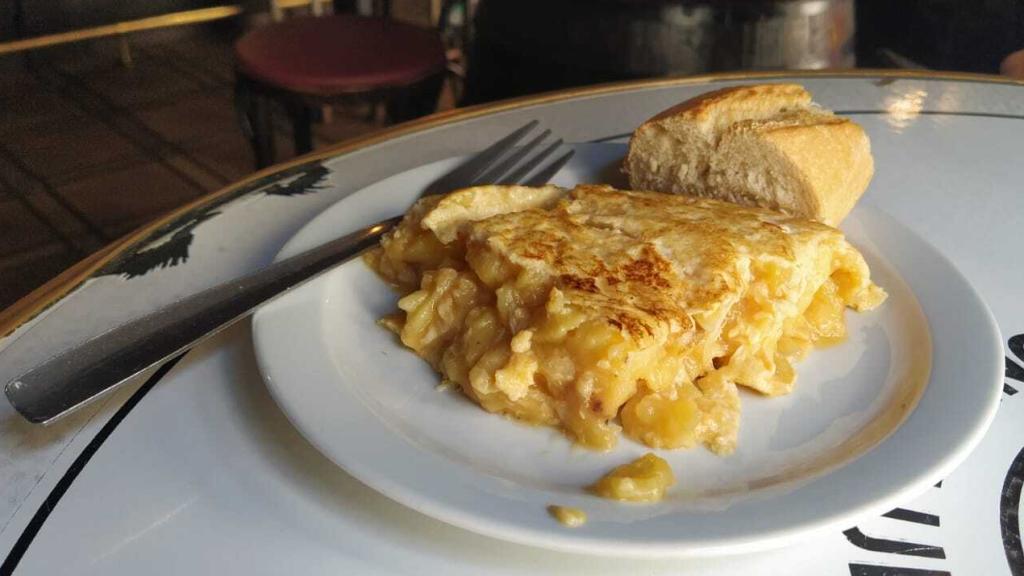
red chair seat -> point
(339, 54)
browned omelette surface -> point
(597, 310)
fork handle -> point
(74, 377)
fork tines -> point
(506, 163)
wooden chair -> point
(307, 62)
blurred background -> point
(113, 111)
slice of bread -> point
(766, 145)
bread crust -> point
(716, 101)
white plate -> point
(836, 449)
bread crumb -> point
(567, 516)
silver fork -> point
(69, 380)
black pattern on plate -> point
(1014, 368)
(167, 249)
(169, 245)
(310, 179)
(53, 498)
(902, 547)
(1009, 499)
(876, 570)
(897, 547)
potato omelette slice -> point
(597, 310)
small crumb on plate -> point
(571, 517)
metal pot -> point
(795, 34)
(525, 46)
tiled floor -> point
(90, 149)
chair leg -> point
(414, 101)
(302, 127)
(262, 131)
(254, 116)
(373, 101)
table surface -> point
(193, 468)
